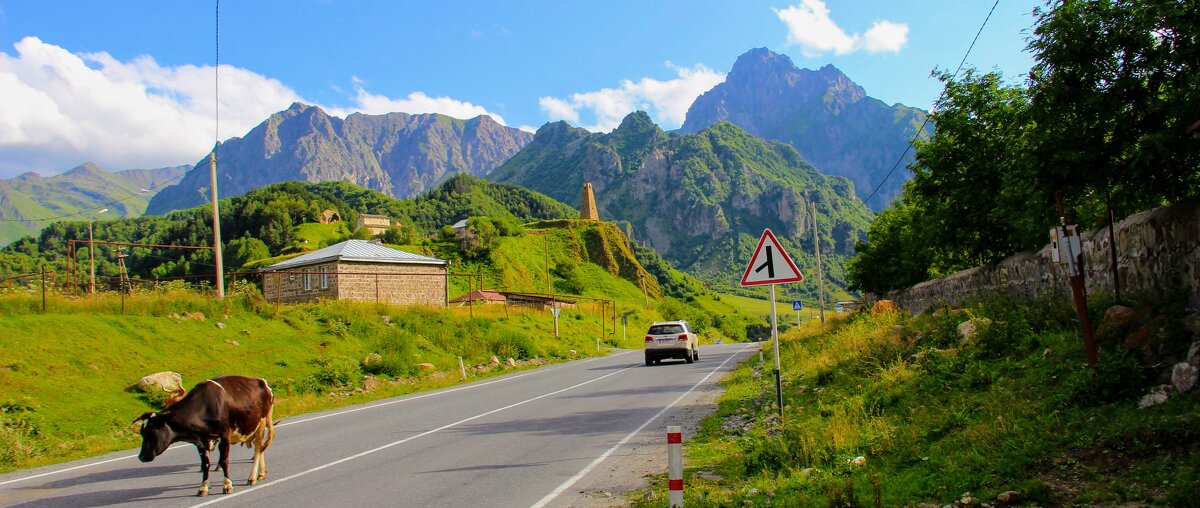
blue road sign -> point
(797, 305)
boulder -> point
(858, 461)
(1192, 322)
(494, 361)
(1184, 376)
(510, 363)
(1157, 395)
(220, 325)
(426, 367)
(165, 381)
(1119, 314)
(195, 316)
(1010, 496)
(969, 328)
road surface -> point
(531, 438)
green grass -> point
(936, 419)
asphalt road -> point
(525, 439)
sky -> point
(133, 84)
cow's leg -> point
(223, 460)
(204, 465)
(267, 437)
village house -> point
(375, 224)
(358, 270)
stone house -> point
(358, 270)
(376, 224)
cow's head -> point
(156, 434)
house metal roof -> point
(356, 250)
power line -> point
(926, 122)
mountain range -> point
(86, 187)
(701, 200)
(823, 114)
(398, 154)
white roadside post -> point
(763, 270)
(675, 465)
(462, 369)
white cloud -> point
(59, 109)
(886, 37)
(810, 27)
(666, 101)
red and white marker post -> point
(675, 465)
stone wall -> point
(392, 283)
(1154, 248)
(384, 282)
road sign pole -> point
(775, 337)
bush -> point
(513, 345)
(336, 372)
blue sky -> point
(130, 84)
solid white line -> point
(294, 422)
(402, 441)
(578, 476)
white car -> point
(671, 339)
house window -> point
(307, 280)
(324, 277)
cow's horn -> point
(145, 416)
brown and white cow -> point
(228, 409)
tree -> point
(243, 250)
(1114, 91)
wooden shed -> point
(358, 270)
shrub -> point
(513, 345)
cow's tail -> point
(269, 431)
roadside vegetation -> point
(887, 409)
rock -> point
(1184, 376)
(883, 306)
(247, 332)
(93, 367)
(371, 383)
(494, 361)
(1193, 357)
(708, 475)
(806, 471)
(510, 363)
(165, 381)
(858, 461)
(1157, 395)
(967, 500)
(1118, 314)
(573, 353)
(220, 325)
(426, 366)
(387, 320)
(233, 342)
(969, 328)
(1047, 352)
(194, 316)
(1192, 322)
(752, 491)
(1011, 496)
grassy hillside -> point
(319, 356)
(938, 419)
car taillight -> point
(649, 339)
(683, 336)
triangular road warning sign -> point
(770, 264)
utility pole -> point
(92, 256)
(1074, 264)
(212, 156)
(820, 272)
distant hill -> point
(823, 114)
(33, 196)
(701, 200)
(398, 154)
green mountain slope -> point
(701, 200)
(823, 114)
(32, 196)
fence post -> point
(43, 289)
(462, 369)
(675, 465)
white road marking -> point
(578, 476)
(290, 422)
(405, 440)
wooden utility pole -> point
(820, 272)
(1074, 264)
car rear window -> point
(665, 330)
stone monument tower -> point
(587, 204)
